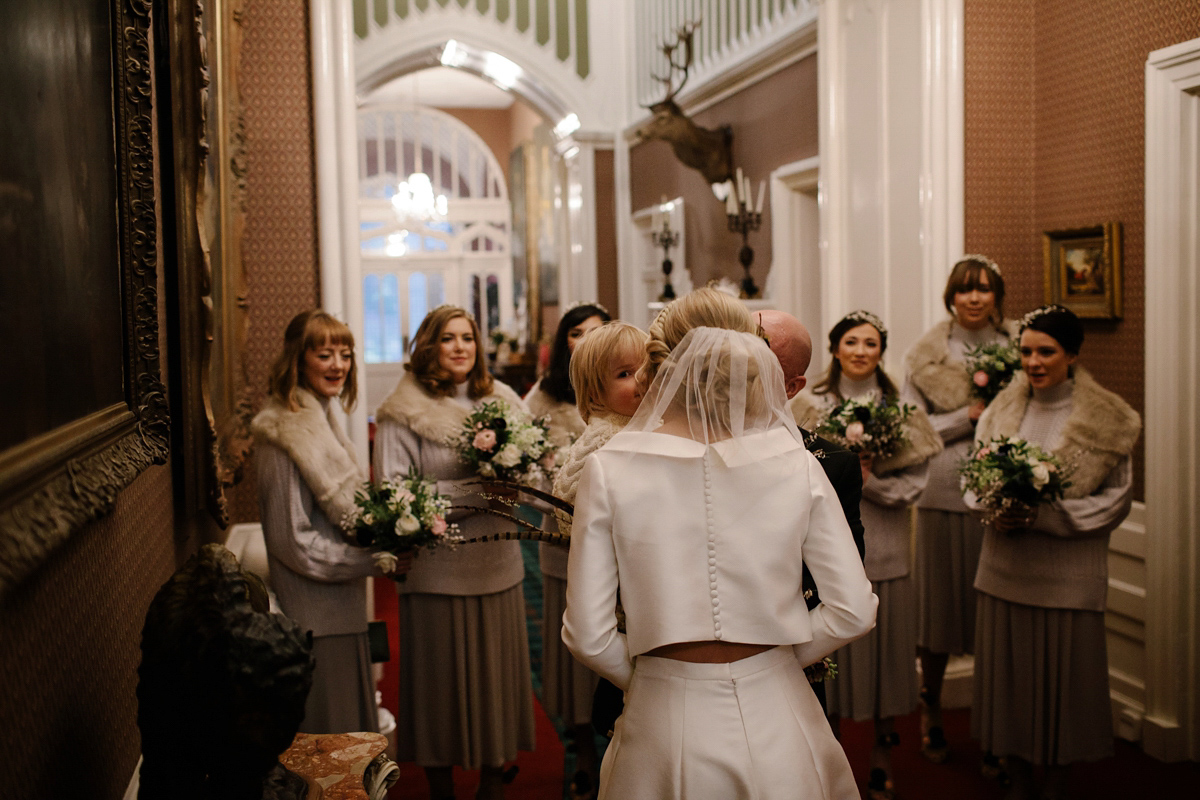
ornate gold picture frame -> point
(1083, 270)
(85, 212)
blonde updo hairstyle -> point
(700, 308)
(310, 330)
(423, 362)
(706, 395)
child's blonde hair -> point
(593, 354)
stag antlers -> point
(709, 151)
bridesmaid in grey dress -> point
(1041, 666)
(948, 536)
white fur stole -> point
(599, 430)
(944, 383)
(563, 418)
(314, 440)
(1100, 430)
(438, 419)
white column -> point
(336, 135)
(577, 274)
(1171, 726)
(891, 186)
(325, 134)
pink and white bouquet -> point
(1008, 474)
(400, 516)
(991, 367)
(500, 443)
(875, 427)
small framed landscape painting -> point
(1084, 270)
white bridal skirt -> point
(751, 729)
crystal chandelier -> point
(415, 199)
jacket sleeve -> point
(288, 514)
(847, 608)
(897, 489)
(590, 621)
(397, 448)
(952, 426)
(1098, 514)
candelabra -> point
(666, 239)
(744, 219)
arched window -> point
(435, 226)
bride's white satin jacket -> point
(706, 542)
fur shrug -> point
(944, 383)
(599, 430)
(1100, 430)
(314, 440)
(563, 418)
(437, 419)
(923, 441)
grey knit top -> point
(1063, 561)
(319, 578)
(885, 500)
(472, 569)
(942, 488)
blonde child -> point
(604, 374)
(602, 370)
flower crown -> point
(982, 259)
(862, 315)
(1041, 311)
(579, 303)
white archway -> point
(454, 248)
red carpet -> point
(1129, 775)
(541, 771)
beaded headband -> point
(579, 303)
(862, 315)
(982, 259)
(456, 308)
(1041, 311)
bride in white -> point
(705, 506)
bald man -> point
(790, 342)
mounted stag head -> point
(703, 149)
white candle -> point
(746, 194)
(762, 188)
(730, 199)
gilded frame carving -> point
(55, 483)
(213, 399)
(1084, 270)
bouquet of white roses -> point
(867, 427)
(1008, 474)
(500, 443)
(991, 367)
(399, 517)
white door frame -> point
(1171, 727)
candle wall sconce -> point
(666, 239)
(744, 219)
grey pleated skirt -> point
(1041, 683)
(466, 697)
(948, 545)
(567, 685)
(877, 675)
(342, 699)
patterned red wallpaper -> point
(280, 241)
(71, 637)
(1055, 139)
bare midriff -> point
(711, 652)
